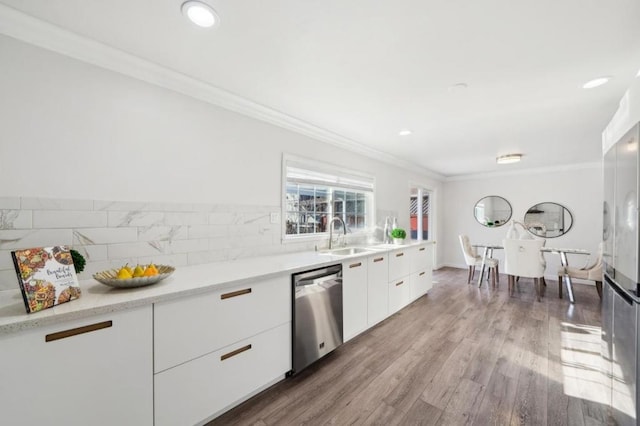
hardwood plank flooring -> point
(461, 355)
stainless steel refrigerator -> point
(621, 295)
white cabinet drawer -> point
(190, 327)
(197, 390)
(400, 263)
(399, 294)
(94, 371)
(422, 257)
(420, 283)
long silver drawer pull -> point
(236, 352)
(400, 283)
(75, 331)
(399, 254)
(378, 259)
(355, 265)
(421, 274)
(235, 293)
(421, 249)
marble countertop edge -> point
(97, 298)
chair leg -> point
(560, 286)
(544, 282)
(599, 288)
(497, 274)
(493, 277)
(470, 275)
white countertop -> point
(98, 298)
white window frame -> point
(346, 179)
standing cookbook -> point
(46, 276)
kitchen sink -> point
(346, 251)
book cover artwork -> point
(46, 276)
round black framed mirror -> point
(548, 220)
(492, 211)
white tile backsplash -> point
(11, 203)
(105, 235)
(135, 218)
(163, 233)
(16, 219)
(112, 233)
(19, 239)
(55, 204)
(68, 219)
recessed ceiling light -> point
(509, 158)
(404, 132)
(200, 13)
(596, 82)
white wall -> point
(578, 189)
(71, 130)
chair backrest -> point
(522, 258)
(470, 254)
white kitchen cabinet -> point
(214, 350)
(95, 371)
(190, 327)
(354, 297)
(420, 284)
(377, 288)
(422, 270)
(399, 294)
(199, 390)
(400, 263)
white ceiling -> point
(365, 69)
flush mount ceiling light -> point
(458, 87)
(508, 159)
(404, 132)
(596, 82)
(200, 13)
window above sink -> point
(315, 192)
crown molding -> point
(531, 171)
(29, 29)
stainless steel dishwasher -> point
(317, 315)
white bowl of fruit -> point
(138, 276)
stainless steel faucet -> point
(344, 227)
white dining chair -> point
(522, 259)
(473, 259)
(590, 272)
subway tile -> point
(135, 250)
(21, 239)
(198, 258)
(105, 235)
(16, 219)
(10, 203)
(163, 233)
(176, 260)
(68, 219)
(224, 218)
(55, 204)
(93, 253)
(135, 218)
(208, 231)
(119, 205)
(187, 246)
(185, 218)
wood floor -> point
(460, 355)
